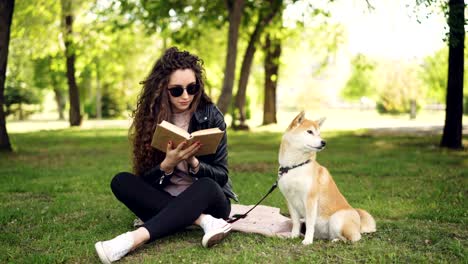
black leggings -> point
(165, 214)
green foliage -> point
(332, 37)
(50, 72)
(248, 112)
(212, 56)
(117, 41)
(106, 54)
(90, 109)
(56, 186)
(29, 39)
(184, 22)
(20, 99)
(393, 101)
(361, 82)
(113, 104)
(36, 27)
(236, 113)
(398, 84)
(434, 75)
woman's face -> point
(181, 79)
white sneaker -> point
(215, 231)
(114, 249)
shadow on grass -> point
(56, 201)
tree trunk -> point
(413, 108)
(98, 92)
(60, 100)
(244, 79)
(452, 135)
(235, 13)
(59, 97)
(6, 16)
(20, 112)
(73, 93)
(272, 57)
(263, 20)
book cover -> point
(165, 131)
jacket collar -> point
(201, 114)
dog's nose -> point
(323, 143)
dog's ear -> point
(297, 120)
(320, 121)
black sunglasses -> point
(178, 90)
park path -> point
(337, 119)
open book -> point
(209, 138)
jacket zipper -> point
(161, 179)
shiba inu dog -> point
(310, 190)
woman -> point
(176, 189)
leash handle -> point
(236, 217)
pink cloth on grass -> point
(264, 220)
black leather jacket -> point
(213, 166)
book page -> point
(166, 132)
(207, 131)
(175, 129)
(209, 140)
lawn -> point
(55, 200)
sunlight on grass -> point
(336, 119)
(56, 201)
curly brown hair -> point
(153, 105)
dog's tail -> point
(367, 221)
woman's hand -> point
(194, 164)
(178, 154)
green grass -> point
(55, 200)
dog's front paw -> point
(295, 234)
(307, 241)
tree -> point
(399, 87)
(73, 93)
(267, 12)
(234, 8)
(17, 97)
(49, 71)
(6, 15)
(191, 24)
(35, 50)
(452, 135)
(272, 50)
(360, 82)
(434, 75)
(454, 13)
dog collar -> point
(283, 170)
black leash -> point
(281, 171)
(236, 217)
